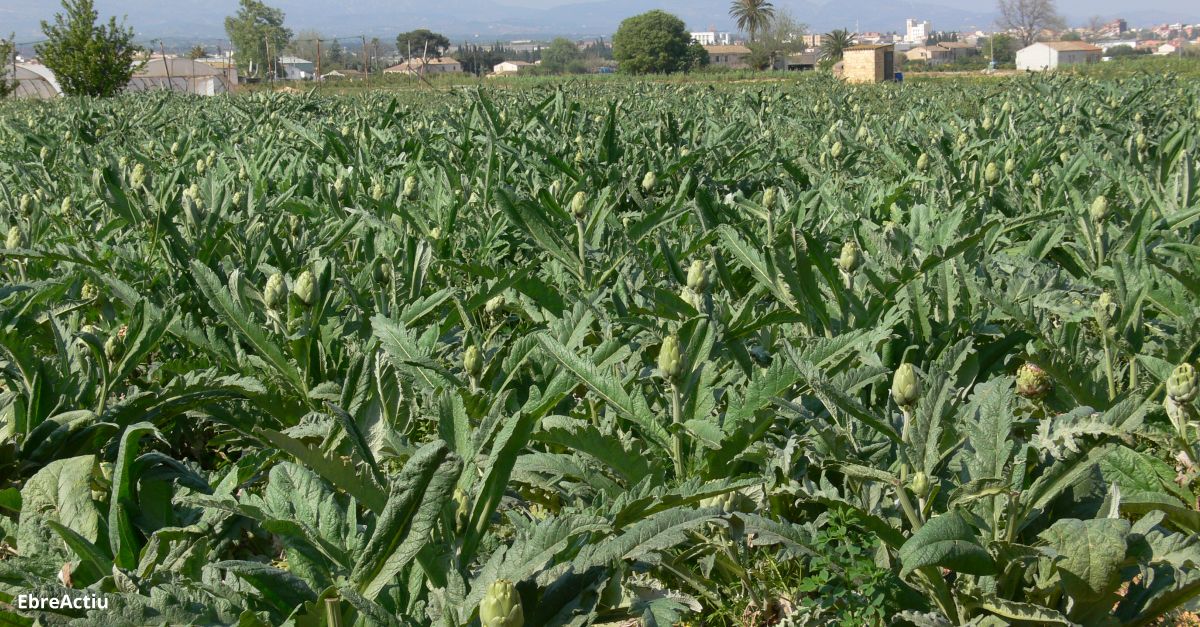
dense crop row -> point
(742, 354)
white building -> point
(1113, 43)
(1047, 55)
(917, 32)
(712, 38)
(509, 67)
(297, 69)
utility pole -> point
(166, 64)
(366, 61)
(318, 58)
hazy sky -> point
(1082, 7)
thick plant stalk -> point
(583, 269)
(1108, 367)
(677, 430)
(333, 615)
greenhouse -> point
(182, 75)
(33, 81)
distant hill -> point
(203, 20)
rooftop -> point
(727, 49)
(868, 47)
(1071, 46)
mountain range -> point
(488, 21)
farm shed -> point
(297, 69)
(33, 81)
(869, 63)
(1047, 55)
(932, 55)
(728, 56)
(182, 75)
(509, 67)
(799, 62)
(417, 66)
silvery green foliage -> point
(204, 449)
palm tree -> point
(752, 16)
(834, 43)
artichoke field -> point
(629, 353)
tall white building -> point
(712, 38)
(916, 32)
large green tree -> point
(422, 43)
(752, 16)
(89, 59)
(562, 56)
(258, 35)
(7, 50)
(655, 42)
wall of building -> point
(1036, 58)
(863, 66)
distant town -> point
(264, 50)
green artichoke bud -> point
(836, 150)
(1036, 180)
(1099, 209)
(1140, 140)
(377, 190)
(494, 304)
(200, 166)
(175, 148)
(850, 258)
(987, 123)
(26, 203)
(920, 484)
(339, 186)
(991, 174)
(730, 502)
(697, 277)
(579, 206)
(462, 511)
(1032, 381)
(649, 182)
(137, 178)
(1104, 308)
(962, 140)
(44, 153)
(410, 187)
(306, 288)
(1063, 130)
(89, 291)
(669, 360)
(768, 199)
(14, 239)
(67, 206)
(1182, 385)
(114, 346)
(275, 292)
(922, 162)
(906, 386)
(473, 362)
(501, 606)
(1010, 166)
(435, 233)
